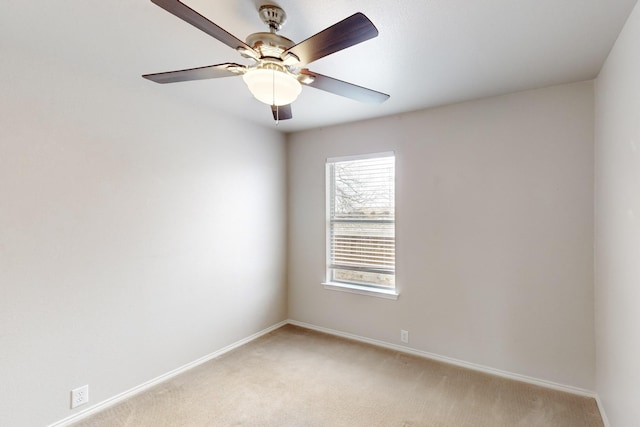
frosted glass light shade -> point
(272, 87)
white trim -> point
(360, 157)
(603, 414)
(144, 386)
(363, 290)
(461, 363)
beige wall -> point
(494, 232)
(617, 225)
(137, 234)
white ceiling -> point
(428, 53)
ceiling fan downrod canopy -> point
(273, 16)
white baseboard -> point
(452, 361)
(603, 414)
(135, 390)
(505, 374)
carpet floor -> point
(298, 377)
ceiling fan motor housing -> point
(269, 44)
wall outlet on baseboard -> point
(79, 396)
(404, 336)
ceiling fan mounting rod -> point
(273, 16)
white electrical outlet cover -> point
(79, 396)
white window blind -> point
(361, 220)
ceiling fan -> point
(276, 76)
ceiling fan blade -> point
(348, 90)
(346, 33)
(199, 73)
(283, 112)
(189, 15)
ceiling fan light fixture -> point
(272, 87)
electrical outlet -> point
(404, 336)
(79, 396)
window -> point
(361, 222)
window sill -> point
(363, 290)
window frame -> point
(357, 288)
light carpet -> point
(298, 377)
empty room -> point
(296, 213)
